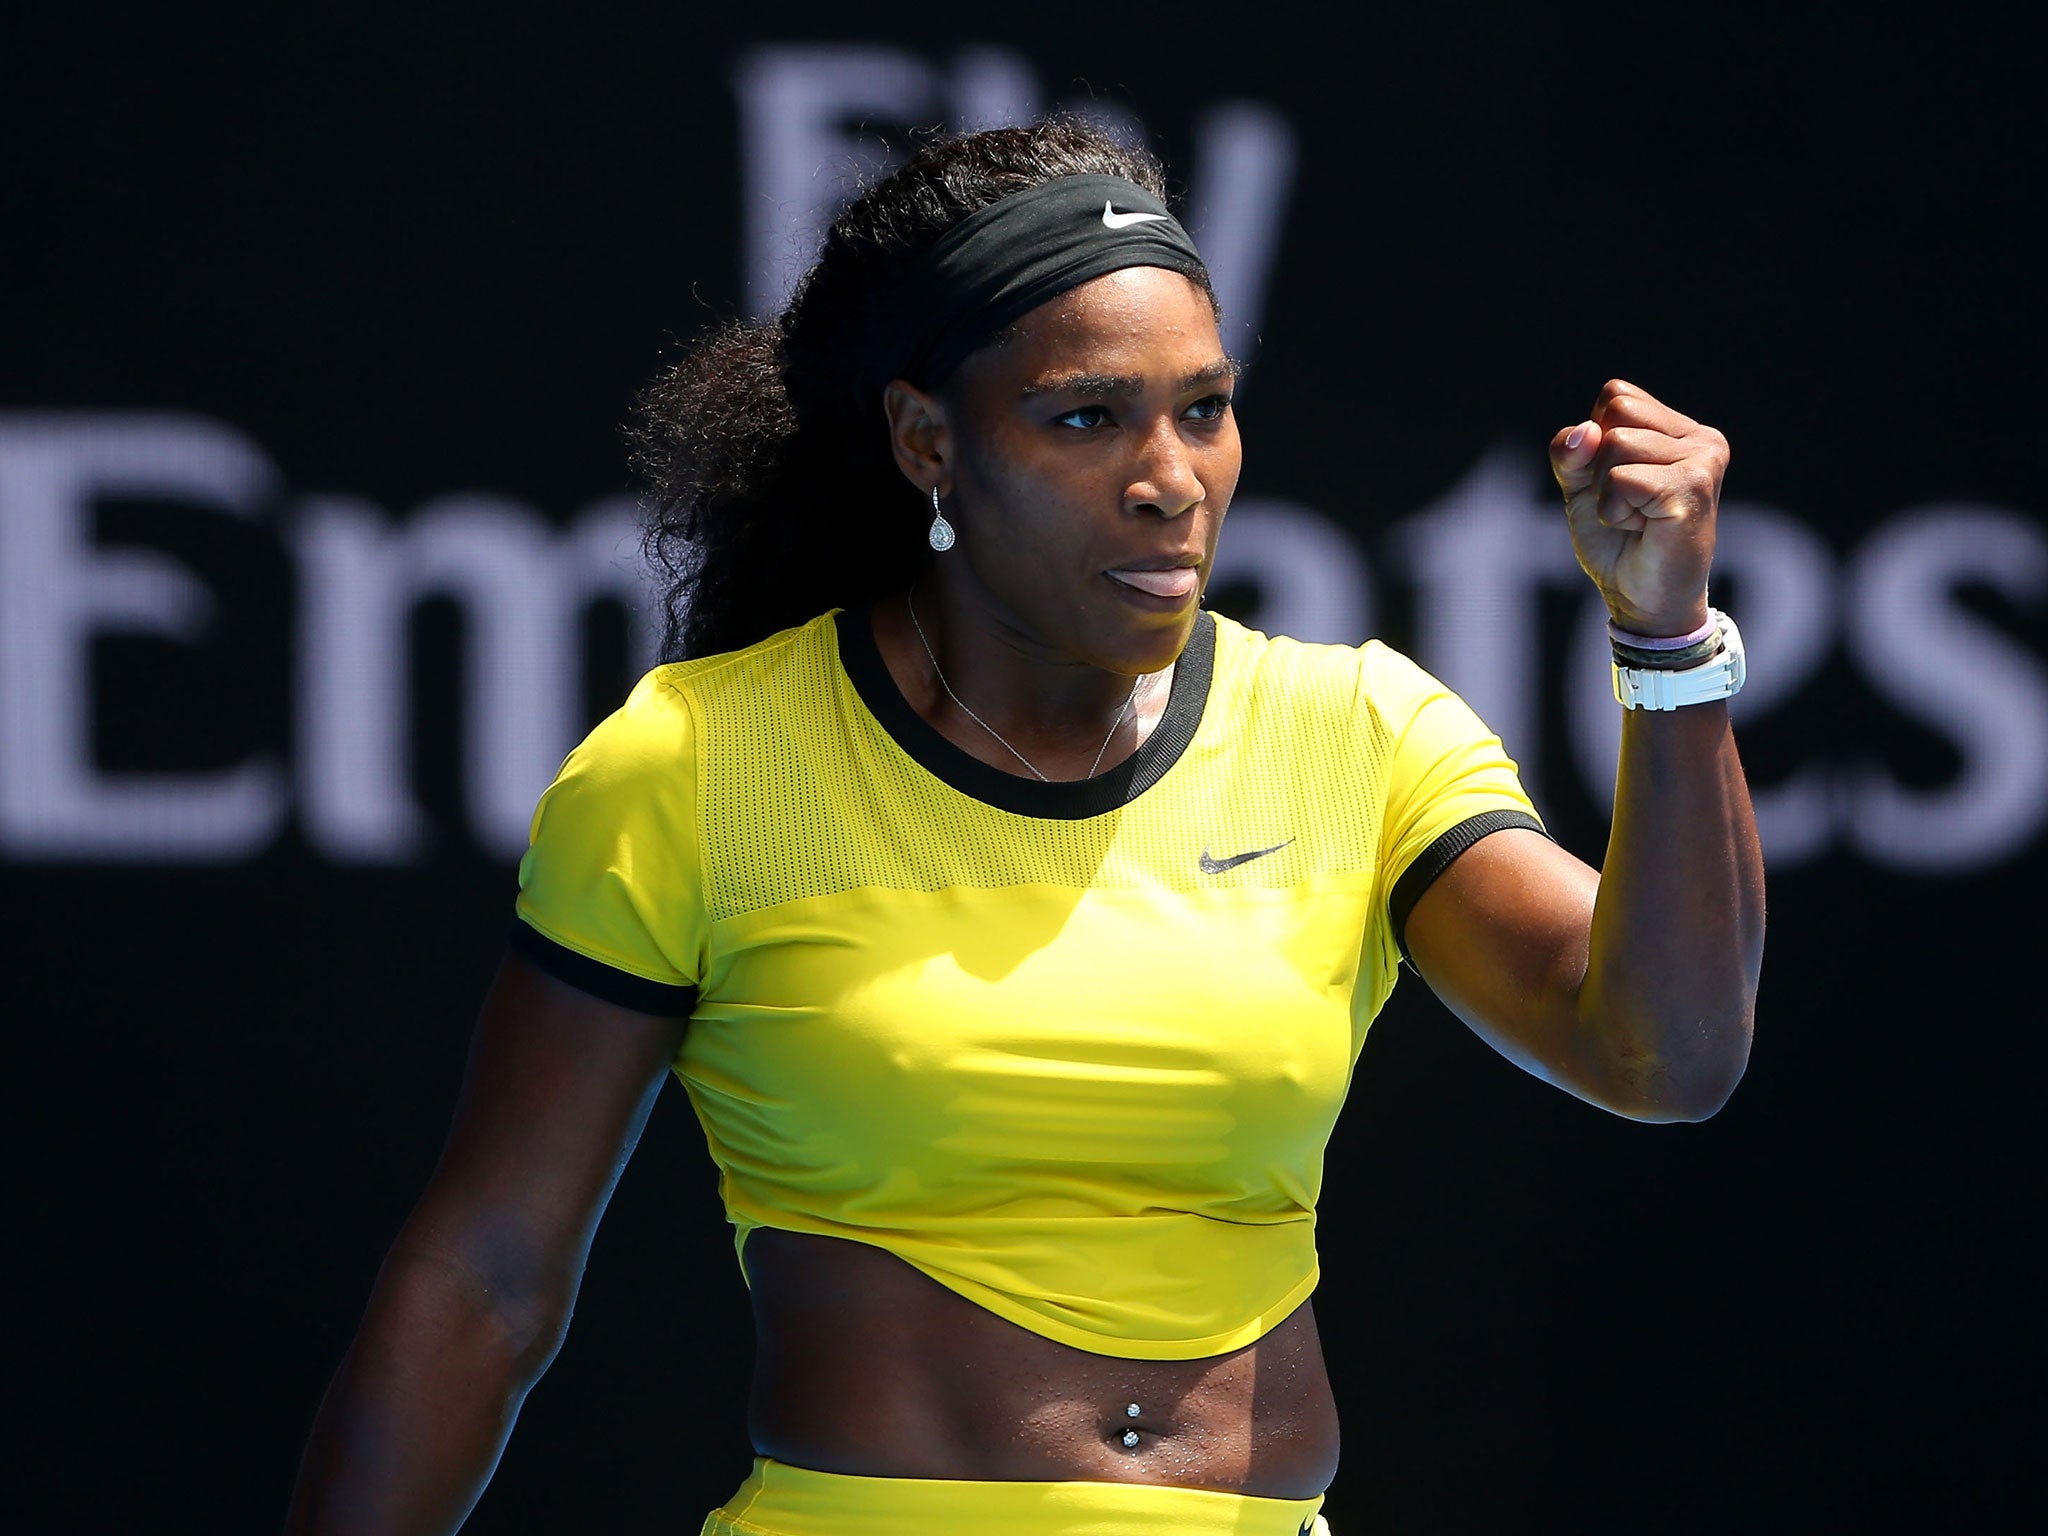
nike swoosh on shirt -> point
(1211, 866)
(1113, 220)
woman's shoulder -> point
(1333, 693)
(1308, 672)
(668, 694)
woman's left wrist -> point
(1679, 625)
(1669, 672)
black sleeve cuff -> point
(606, 983)
(1440, 856)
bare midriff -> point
(866, 1366)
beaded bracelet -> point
(1659, 653)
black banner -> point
(317, 550)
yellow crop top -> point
(1074, 1050)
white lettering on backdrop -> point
(1481, 561)
(522, 588)
(1947, 668)
(811, 117)
(58, 588)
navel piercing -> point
(1130, 1437)
(940, 536)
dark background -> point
(411, 252)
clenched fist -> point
(1641, 485)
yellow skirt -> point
(781, 1500)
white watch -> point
(1720, 676)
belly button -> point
(1130, 1436)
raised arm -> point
(1634, 986)
(475, 1295)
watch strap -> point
(1720, 676)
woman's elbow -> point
(1703, 1098)
(1689, 1080)
(516, 1311)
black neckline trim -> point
(1073, 800)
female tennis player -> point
(1012, 922)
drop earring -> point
(940, 535)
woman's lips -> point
(1178, 582)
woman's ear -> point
(918, 436)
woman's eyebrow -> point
(1223, 368)
(1092, 385)
(1101, 385)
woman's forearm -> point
(416, 1417)
(1677, 933)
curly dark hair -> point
(772, 492)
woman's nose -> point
(1167, 480)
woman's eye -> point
(1209, 408)
(1084, 417)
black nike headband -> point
(1002, 262)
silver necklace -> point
(909, 602)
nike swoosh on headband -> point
(1111, 219)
